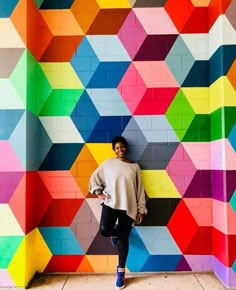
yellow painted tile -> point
(17, 266)
(61, 75)
(100, 151)
(112, 263)
(114, 4)
(42, 255)
(222, 93)
(158, 184)
(30, 256)
(229, 93)
(199, 99)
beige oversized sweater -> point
(121, 182)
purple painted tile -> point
(230, 183)
(217, 182)
(223, 184)
(200, 263)
(200, 186)
(183, 265)
(155, 47)
(8, 183)
(224, 274)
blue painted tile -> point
(55, 4)
(7, 7)
(108, 75)
(198, 76)
(8, 121)
(158, 263)
(61, 156)
(61, 241)
(221, 61)
(84, 61)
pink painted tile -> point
(8, 159)
(181, 169)
(199, 153)
(217, 161)
(132, 34)
(231, 220)
(201, 209)
(219, 212)
(5, 279)
(156, 74)
(155, 20)
(132, 88)
(230, 156)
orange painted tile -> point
(108, 21)
(85, 12)
(19, 19)
(32, 28)
(82, 169)
(61, 48)
(85, 266)
(61, 22)
(179, 11)
(201, 3)
(232, 74)
(216, 8)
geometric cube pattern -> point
(75, 73)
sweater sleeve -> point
(96, 181)
(141, 199)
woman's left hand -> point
(139, 218)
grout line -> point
(198, 281)
(65, 282)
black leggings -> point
(107, 228)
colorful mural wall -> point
(73, 74)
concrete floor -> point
(160, 281)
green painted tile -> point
(199, 129)
(232, 201)
(38, 87)
(180, 114)
(216, 124)
(61, 102)
(8, 246)
(18, 77)
(230, 119)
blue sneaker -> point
(120, 282)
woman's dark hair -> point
(120, 139)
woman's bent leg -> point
(108, 220)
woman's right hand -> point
(101, 196)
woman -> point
(117, 182)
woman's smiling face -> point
(120, 150)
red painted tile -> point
(182, 226)
(201, 244)
(63, 263)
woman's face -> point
(120, 150)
